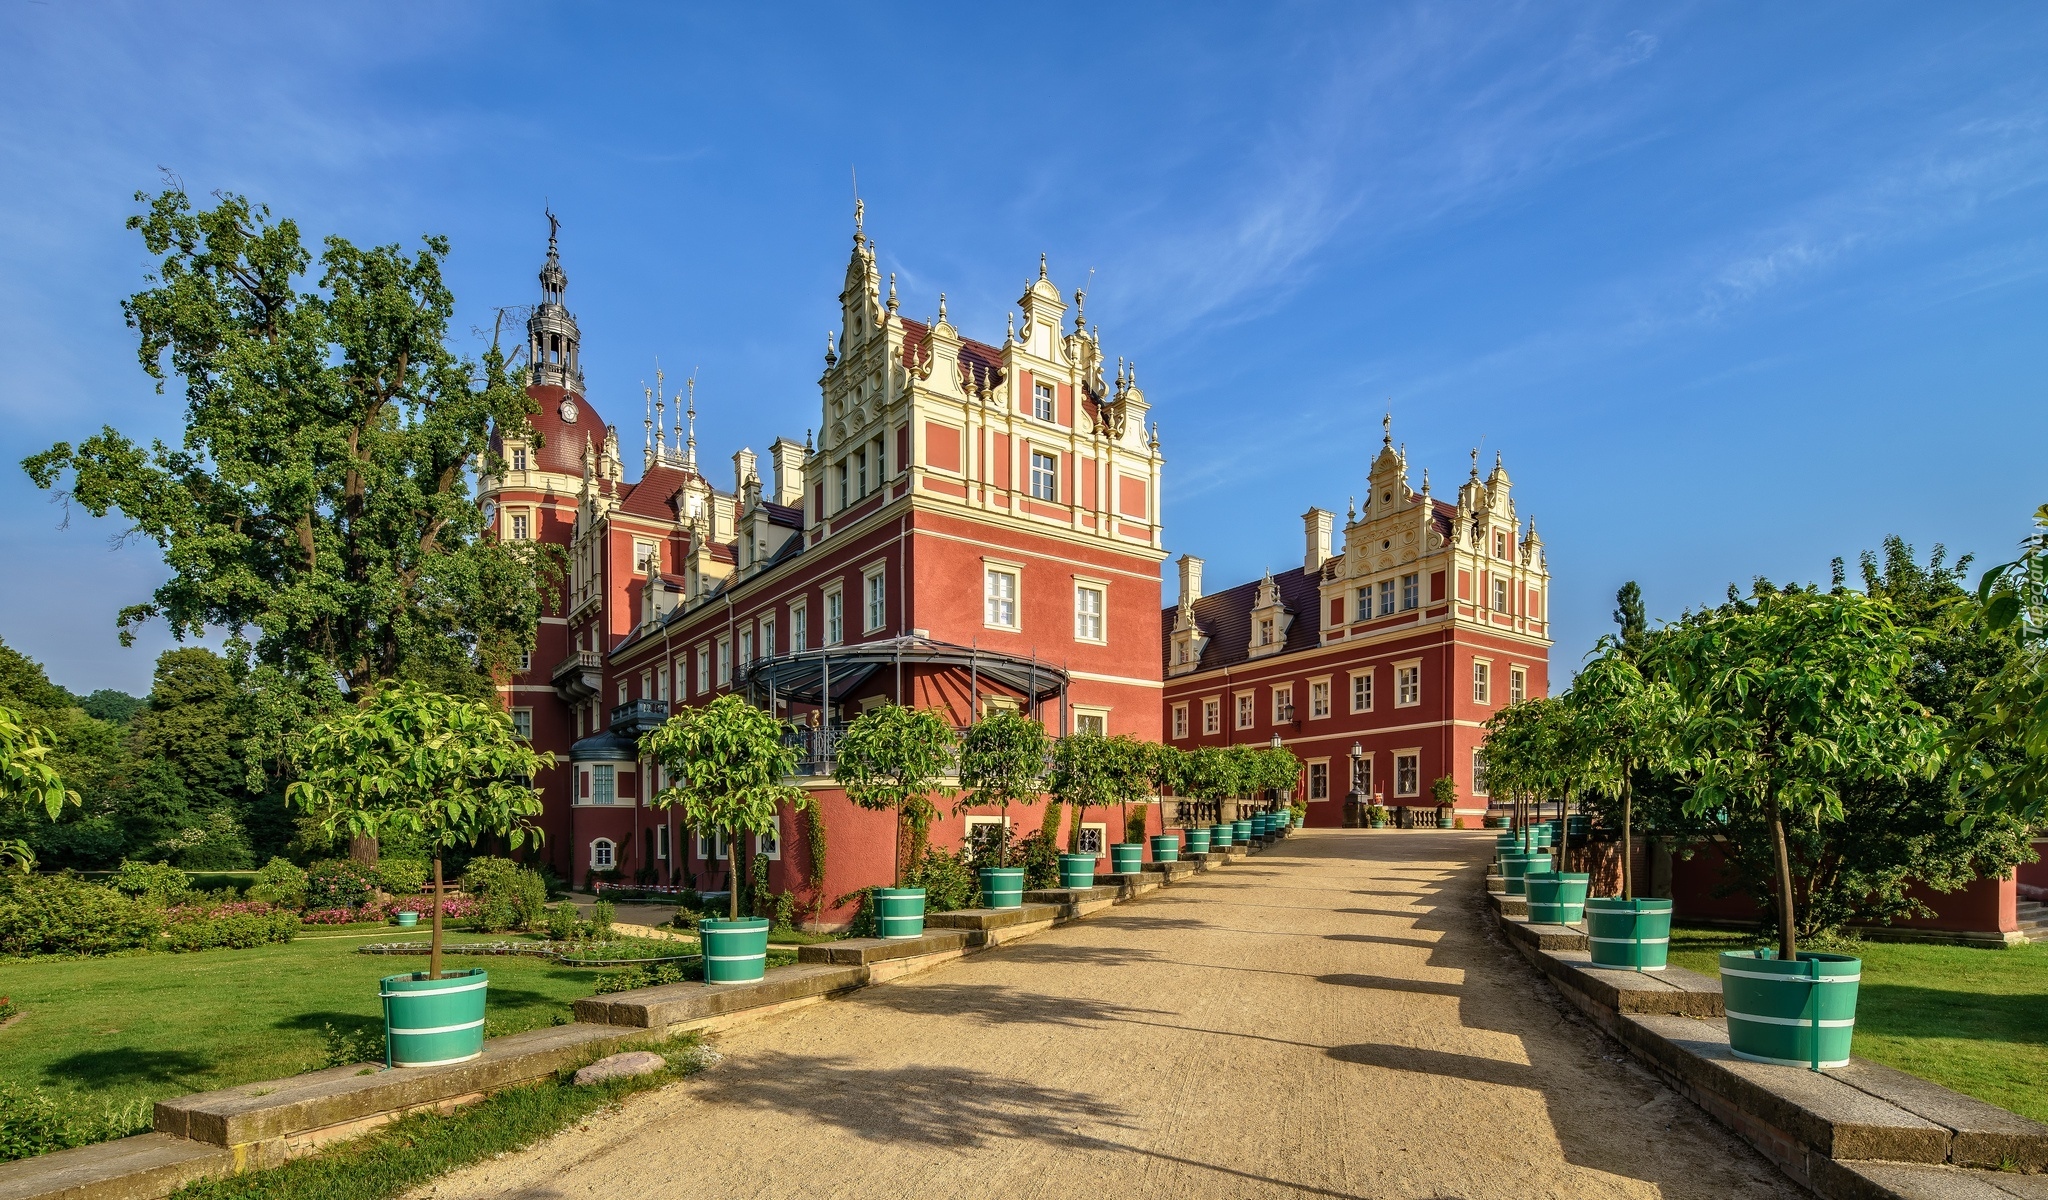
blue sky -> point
(1735, 289)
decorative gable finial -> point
(690, 447)
(1475, 462)
(1351, 510)
(892, 291)
(942, 308)
(1041, 264)
(1012, 335)
(1387, 429)
(831, 355)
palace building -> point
(973, 525)
(1377, 663)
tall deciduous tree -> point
(727, 762)
(2005, 739)
(443, 769)
(893, 758)
(319, 507)
(1786, 703)
(1614, 723)
(1002, 762)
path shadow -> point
(1381, 912)
(125, 1065)
(1387, 983)
(1096, 956)
(1398, 895)
(1380, 939)
(997, 1005)
(1139, 921)
(1439, 1062)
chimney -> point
(742, 469)
(1190, 578)
(788, 457)
(1316, 525)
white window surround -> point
(522, 722)
(835, 615)
(1086, 716)
(1479, 785)
(703, 669)
(1001, 586)
(711, 847)
(769, 845)
(1408, 772)
(1247, 709)
(1319, 697)
(874, 585)
(1091, 612)
(973, 823)
(1408, 683)
(1044, 401)
(1482, 681)
(1212, 714)
(1097, 833)
(799, 626)
(1518, 683)
(603, 854)
(1045, 476)
(1361, 690)
(1180, 720)
(1283, 702)
(661, 843)
(724, 662)
(1318, 771)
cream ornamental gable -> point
(1029, 432)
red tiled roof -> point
(654, 496)
(983, 359)
(561, 448)
(1226, 619)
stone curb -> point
(1862, 1132)
(267, 1123)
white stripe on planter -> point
(1793, 978)
(1801, 1022)
(467, 987)
(1787, 1062)
(1639, 942)
(734, 957)
(442, 1062)
(397, 1032)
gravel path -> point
(1331, 1018)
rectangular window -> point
(1245, 710)
(1042, 402)
(661, 685)
(724, 662)
(769, 845)
(1096, 723)
(661, 843)
(1386, 597)
(604, 784)
(622, 691)
(844, 475)
(1411, 591)
(1212, 715)
(1087, 613)
(1319, 699)
(1045, 483)
(878, 602)
(1478, 772)
(1500, 545)
(983, 834)
(767, 637)
(521, 530)
(711, 847)
(645, 555)
(525, 661)
(1500, 595)
(1265, 631)
(1408, 774)
(522, 722)
(1361, 692)
(835, 617)
(1364, 605)
(703, 670)
(746, 648)
(1364, 781)
(1091, 840)
(519, 458)
(1518, 685)
(1408, 685)
(860, 470)
(799, 627)
(999, 598)
(1319, 780)
(1482, 682)
(1283, 703)
(1180, 720)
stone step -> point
(864, 952)
(683, 1003)
(148, 1164)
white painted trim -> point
(1093, 677)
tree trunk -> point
(1787, 949)
(732, 877)
(1628, 874)
(363, 850)
(434, 953)
(896, 871)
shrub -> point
(217, 843)
(562, 920)
(948, 881)
(340, 916)
(160, 884)
(339, 883)
(1041, 862)
(507, 895)
(601, 918)
(404, 876)
(453, 908)
(63, 914)
(233, 931)
(347, 1047)
(33, 1122)
(281, 883)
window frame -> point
(1518, 683)
(1413, 756)
(724, 676)
(1045, 401)
(1212, 715)
(769, 845)
(1319, 698)
(610, 854)
(990, 573)
(1101, 614)
(835, 615)
(1482, 681)
(1049, 475)
(1283, 696)
(799, 626)
(1091, 712)
(1386, 604)
(1480, 786)
(874, 609)
(1411, 591)
(1501, 594)
(1101, 831)
(1365, 674)
(604, 785)
(1408, 683)
(527, 732)
(1245, 705)
(1316, 768)
(1181, 724)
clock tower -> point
(552, 340)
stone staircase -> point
(2033, 917)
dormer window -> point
(1042, 402)
(1500, 545)
(1266, 631)
(519, 458)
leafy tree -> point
(1128, 774)
(1088, 770)
(2004, 742)
(726, 762)
(1787, 702)
(443, 769)
(1613, 724)
(1003, 762)
(892, 758)
(28, 779)
(318, 508)
(193, 752)
(1167, 767)
(107, 704)
(1211, 777)
(1628, 614)
(90, 755)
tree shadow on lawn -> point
(121, 1066)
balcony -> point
(636, 717)
(579, 676)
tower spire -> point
(690, 447)
(552, 339)
(660, 415)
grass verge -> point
(1965, 1017)
(419, 1148)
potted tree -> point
(891, 759)
(1211, 776)
(1280, 775)
(1245, 763)
(1129, 777)
(1084, 774)
(726, 764)
(1787, 699)
(1444, 790)
(1627, 723)
(1002, 762)
(443, 771)
(1167, 768)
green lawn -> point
(1971, 1019)
(149, 1026)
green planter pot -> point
(1127, 858)
(1259, 826)
(1377, 822)
(1002, 887)
(1219, 835)
(1165, 847)
(1795, 1014)
(407, 918)
(734, 951)
(1557, 898)
(1517, 867)
(1635, 934)
(429, 1022)
(1198, 841)
(1077, 870)
(1496, 822)
(899, 912)
(1243, 832)
(1447, 820)
(1578, 826)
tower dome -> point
(552, 338)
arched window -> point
(602, 856)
